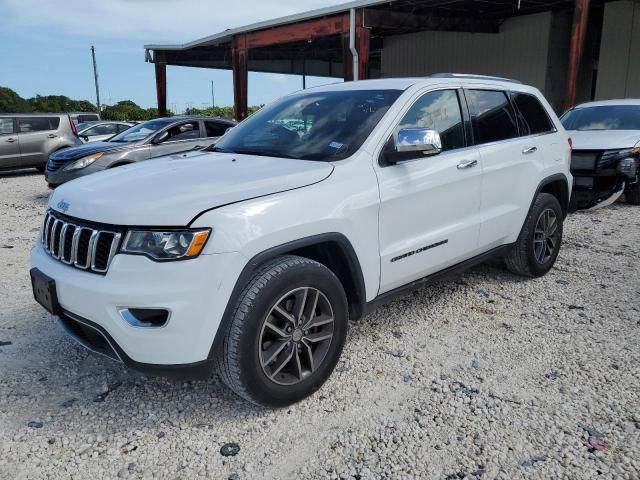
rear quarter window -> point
(532, 116)
(6, 126)
(492, 116)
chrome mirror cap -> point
(419, 139)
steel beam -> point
(240, 60)
(161, 87)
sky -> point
(46, 48)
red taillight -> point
(74, 130)
(570, 143)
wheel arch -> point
(333, 250)
(558, 186)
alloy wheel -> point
(546, 236)
(296, 335)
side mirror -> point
(412, 143)
(161, 138)
(425, 140)
(85, 137)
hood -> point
(171, 191)
(87, 149)
(604, 139)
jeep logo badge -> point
(63, 206)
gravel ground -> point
(487, 376)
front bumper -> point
(196, 292)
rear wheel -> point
(538, 245)
(286, 334)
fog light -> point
(145, 317)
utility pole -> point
(95, 76)
(213, 96)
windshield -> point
(140, 132)
(311, 126)
(609, 117)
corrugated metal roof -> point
(227, 35)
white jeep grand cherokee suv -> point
(248, 259)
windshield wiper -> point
(256, 152)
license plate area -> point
(44, 291)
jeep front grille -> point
(78, 244)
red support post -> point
(578, 34)
(363, 40)
(239, 60)
(161, 87)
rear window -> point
(532, 116)
(492, 116)
(38, 124)
(215, 129)
(603, 117)
(87, 118)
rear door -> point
(509, 165)
(183, 136)
(9, 144)
(34, 133)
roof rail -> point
(473, 77)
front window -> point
(140, 132)
(605, 117)
(322, 126)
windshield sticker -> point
(336, 145)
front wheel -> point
(538, 245)
(286, 333)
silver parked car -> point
(99, 131)
(155, 138)
(27, 140)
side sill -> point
(435, 277)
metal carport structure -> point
(346, 41)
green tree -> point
(11, 102)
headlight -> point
(171, 245)
(83, 162)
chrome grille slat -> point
(56, 232)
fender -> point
(356, 303)
(564, 203)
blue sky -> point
(46, 48)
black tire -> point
(632, 195)
(41, 168)
(240, 359)
(526, 258)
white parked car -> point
(249, 258)
(101, 131)
(606, 152)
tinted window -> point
(532, 116)
(313, 125)
(6, 126)
(439, 111)
(122, 128)
(37, 124)
(184, 131)
(604, 117)
(87, 118)
(492, 116)
(215, 129)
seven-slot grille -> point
(81, 246)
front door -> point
(9, 144)
(181, 137)
(429, 211)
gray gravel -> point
(487, 376)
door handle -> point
(528, 150)
(11, 140)
(51, 135)
(467, 164)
